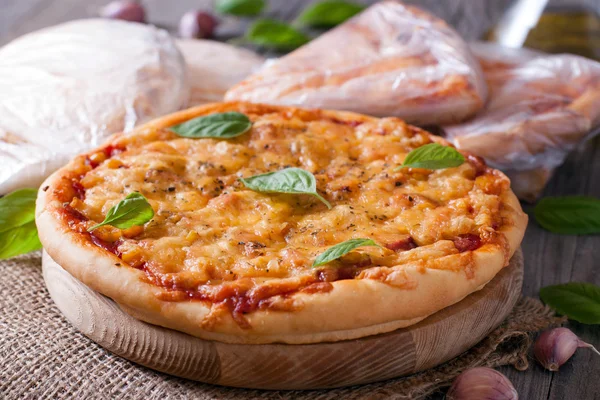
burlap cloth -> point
(43, 356)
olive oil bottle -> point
(557, 26)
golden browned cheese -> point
(209, 230)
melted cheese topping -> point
(209, 229)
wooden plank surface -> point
(549, 258)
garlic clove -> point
(482, 383)
(555, 347)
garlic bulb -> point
(197, 24)
(554, 347)
(127, 10)
(482, 384)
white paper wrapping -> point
(540, 108)
(214, 67)
(65, 89)
(390, 60)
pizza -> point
(223, 262)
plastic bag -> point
(214, 67)
(65, 89)
(540, 107)
(390, 60)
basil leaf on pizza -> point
(433, 156)
(18, 232)
(288, 180)
(569, 215)
(134, 210)
(328, 13)
(579, 301)
(276, 35)
(341, 249)
(240, 8)
(225, 125)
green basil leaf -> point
(131, 211)
(240, 8)
(335, 252)
(17, 209)
(433, 156)
(289, 180)
(328, 13)
(225, 125)
(569, 215)
(18, 233)
(577, 300)
(276, 35)
(20, 240)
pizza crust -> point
(353, 309)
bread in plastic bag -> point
(390, 60)
(540, 107)
(64, 89)
(214, 67)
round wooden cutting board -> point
(433, 341)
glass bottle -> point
(553, 26)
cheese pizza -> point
(221, 260)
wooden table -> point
(549, 258)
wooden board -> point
(433, 341)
